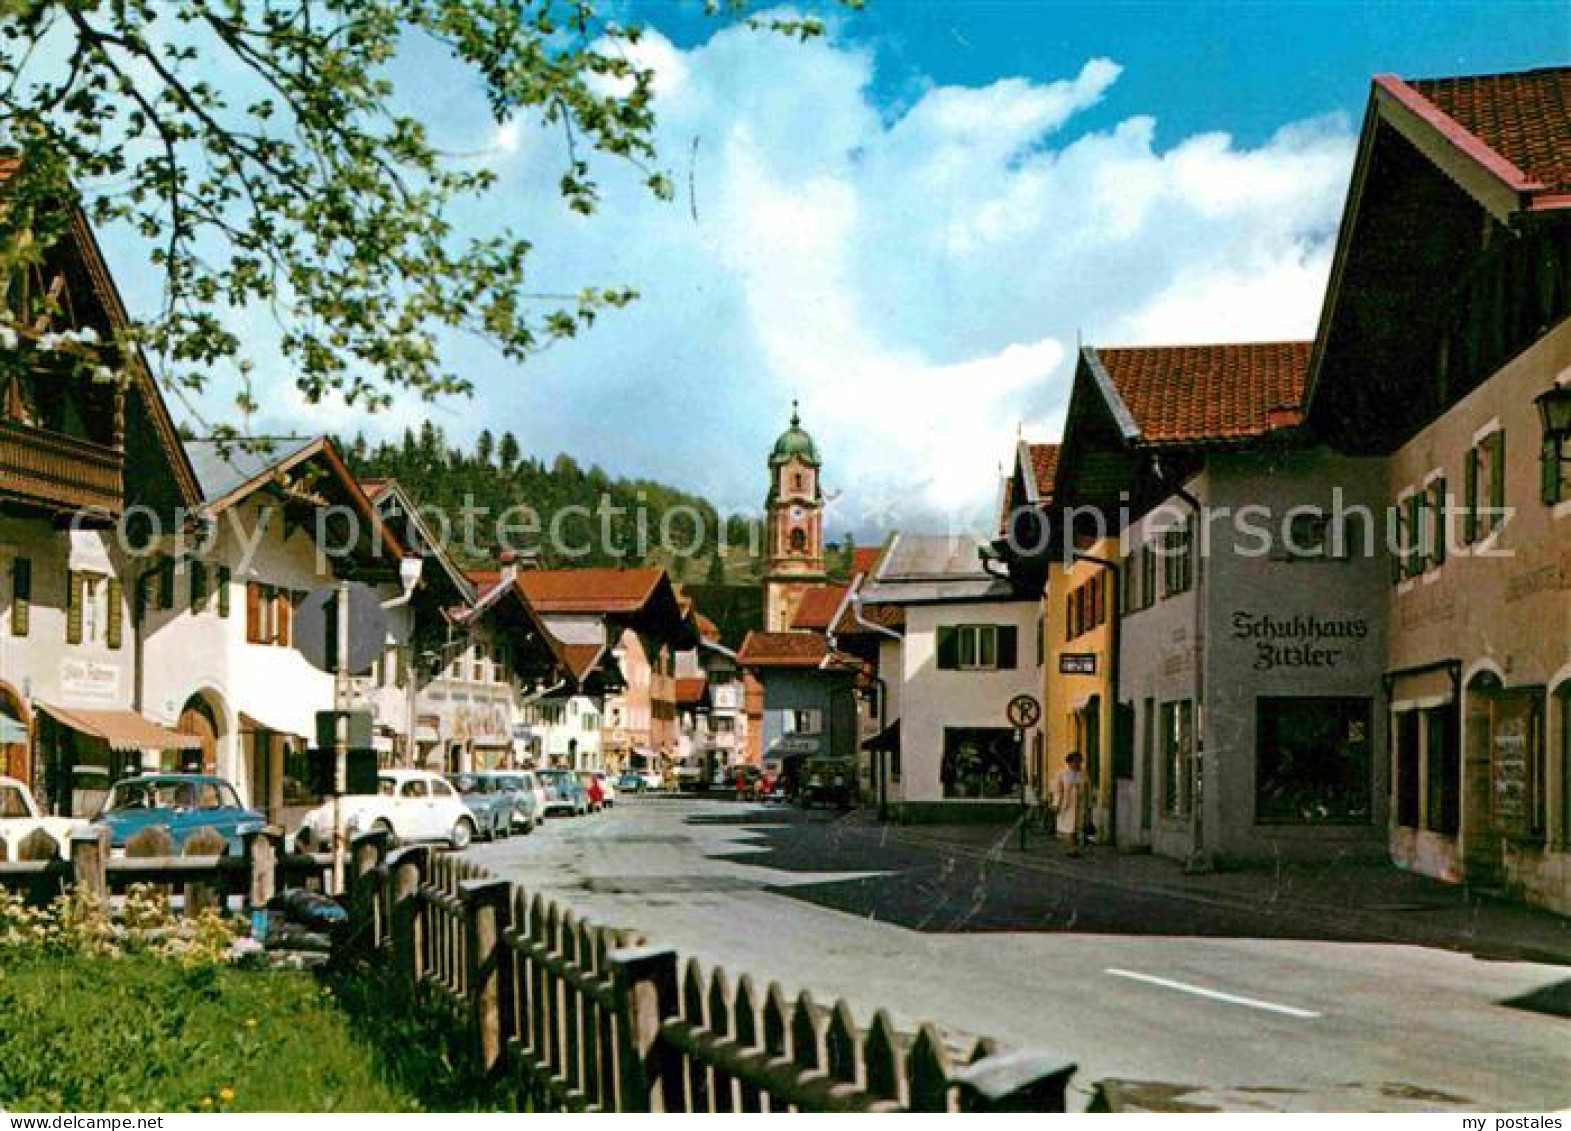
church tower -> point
(794, 521)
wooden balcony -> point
(59, 472)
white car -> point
(413, 805)
(20, 815)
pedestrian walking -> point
(1068, 802)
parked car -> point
(20, 816)
(563, 793)
(413, 805)
(527, 797)
(491, 805)
(598, 781)
(831, 781)
(653, 781)
(631, 783)
(181, 803)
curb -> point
(1329, 919)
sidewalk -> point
(1370, 900)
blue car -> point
(491, 805)
(182, 803)
(525, 793)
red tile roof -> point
(707, 628)
(690, 690)
(373, 487)
(590, 590)
(581, 658)
(1209, 393)
(817, 609)
(782, 650)
(1043, 469)
(885, 616)
(864, 559)
(1524, 118)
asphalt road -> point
(1189, 1005)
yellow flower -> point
(250, 1022)
(227, 1095)
(207, 1101)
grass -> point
(144, 1033)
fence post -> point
(408, 940)
(487, 906)
(646, 995)
(90, 862)
(1017, 1081)
(262, 857)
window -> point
(724, 724)
(1555, 469)
(1129, 598)
(1177, 560)
(1442, 771)
(440, 788)
(1516, 736)
(1308, 536)
(86, 613)
(798, 541)
(977, 647)
(980, 763)
(1439, 521)
(1177, 751)
(1041, 640)
(223, 591)
(1484, 488)
(198, 586)
(414, 787)
(1312, 761)
(166, 584)
(809, 721)
(1406, 741)
(1147, 575)
(21, 595)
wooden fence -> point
(261, 869)
(587, 1018)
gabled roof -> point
(864, 559)
(816, 611)
(1515, 127)
(231, 471)
(1207, 394)
(691, 691)
(642, 598)
(398, 509)
(783, 650)
(935, 569)
(1030, 481)
(504, 603)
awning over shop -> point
(11, 731)
(886, 739)
(122, 730)
(491, 742)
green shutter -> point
(1438, 501)
(76, 585)
(21, 596)
(198, 586)
(223, 591)
(166, 584)
(1008, 647)
(1398, 524)
(1549, 471)
(948, 648)
(1470, 498)
(116, 625)
(1414, 551)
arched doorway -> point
(201, 718)
(17, 723)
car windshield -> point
(556, 777)
(469, 784)
(131, 796)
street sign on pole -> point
(1024, 712)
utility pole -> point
(340, 726)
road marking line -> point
(1215, 995)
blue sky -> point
(908, 223)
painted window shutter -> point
(1438, 517)
(21, 596)
(402, 671)
(1398, 524)
(1470, 498)
(76, 585)
(198, 586)
(1415, 537)
(948, 648)
(166, 584)
(1008, 646)
(253, 613)
(1549, 471)
(223, 591)
(115, 625)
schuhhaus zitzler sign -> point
(1300, 641)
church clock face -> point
(796, 512)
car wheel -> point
(383, 826)
(463, 834)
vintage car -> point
(828, 781)
(563, 793)
(528, 798)
(182, 804)
(20, 816)
(412, 805)
(630, 782)
(491, 804)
